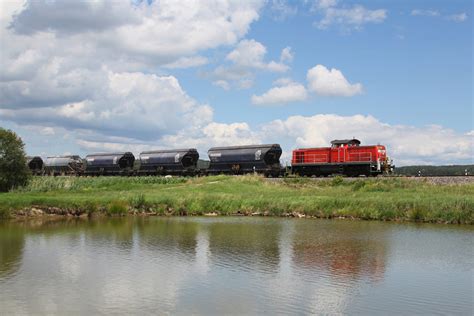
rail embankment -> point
(439, 200)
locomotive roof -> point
(244, 147)
(345, 141)
(168, 151)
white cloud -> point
(47, 131)
(187, 62)
(323, 4)
(281, 9)
(214, 134)
(286, 55)
(63, 67)
(332, 82)
(161, 29)
(246, 58)
(350, 18)
(322, 81)
(425, 12)
(461, 17)
(127, 37)
(250, 54)
(132, 105)
(286, 92)
(222, 83)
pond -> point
(234, 265)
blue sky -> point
(105, 76)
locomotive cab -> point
(345, 143)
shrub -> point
(14, 171)
(117, 208)
(337, 180)
(4, 212)
(138, 201)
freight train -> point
(344, 157)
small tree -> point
(14, 171)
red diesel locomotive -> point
(345, 157)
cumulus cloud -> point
(286, 55)
(250, 54)
(161, 29)
(67, 18)
(321, 81)
(331, 82)
(286, 91)
(246, 58)
(97, 69)
(133, 105)
(125, 36)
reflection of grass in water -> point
(381, 199)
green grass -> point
(371, 199)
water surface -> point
(234, 266)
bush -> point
(117, 208)
(138, 201)
(337, 180)
(14, 171)
(4, 212)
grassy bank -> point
(377, 199)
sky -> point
(80, 77)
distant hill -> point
(452, 170)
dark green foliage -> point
(13, 169)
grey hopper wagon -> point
(63, 165)
(35, 164)
(109, 164)
(264, 159)
(169, 162)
